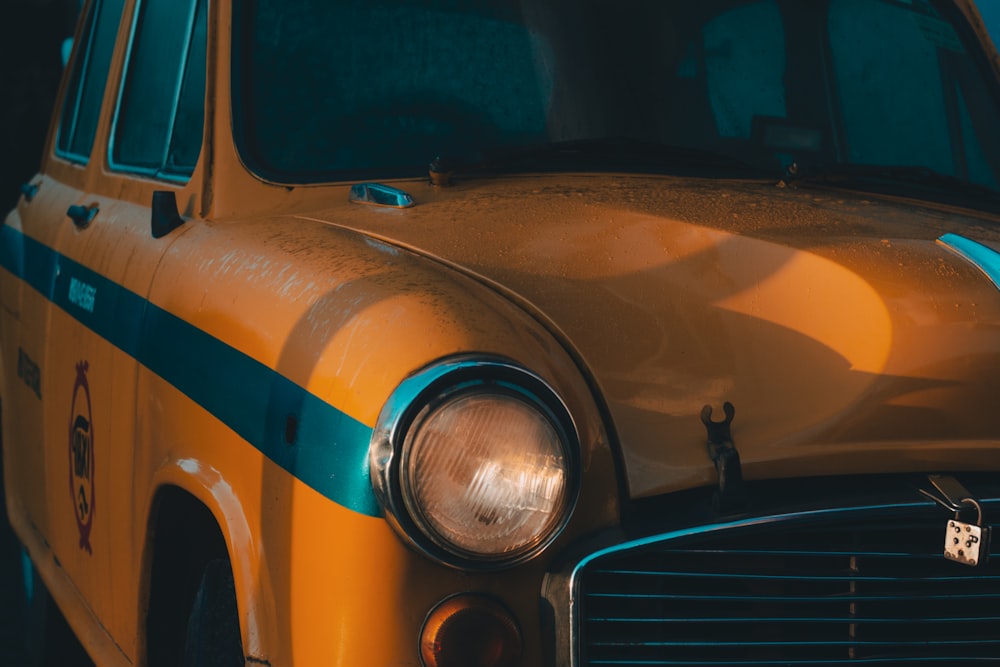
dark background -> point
(31, 36)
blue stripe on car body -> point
(330, 452)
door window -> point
(82, 105)
(161, 111)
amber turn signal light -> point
(470, 631)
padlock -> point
(965, 542)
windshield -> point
(374, 88)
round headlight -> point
(475, 463)
(485, 475)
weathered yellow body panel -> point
(298, 545)
(244, 359)
(828, 337)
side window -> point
(161, 109)
(82, 105)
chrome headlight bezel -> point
(436, 386)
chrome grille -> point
(874, 590)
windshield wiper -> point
(605, 153)
(891, 179)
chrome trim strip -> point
(805, 516)
(984, 258)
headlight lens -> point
(475, 462)
(486, 475)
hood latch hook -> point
(731, 494)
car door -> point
(38, 434)
(101, 241)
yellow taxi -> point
(498, 333)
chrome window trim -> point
(561, 588)
(443, 378)
(74, 158)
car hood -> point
(849, 338)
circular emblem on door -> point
(81, 456)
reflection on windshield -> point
(329, 91)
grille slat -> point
(838, 577)
(797, 663)
(802, 598)
(993, 642)
(799, 619)
(799, 552)
(864, 592)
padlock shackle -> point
(979, 509)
